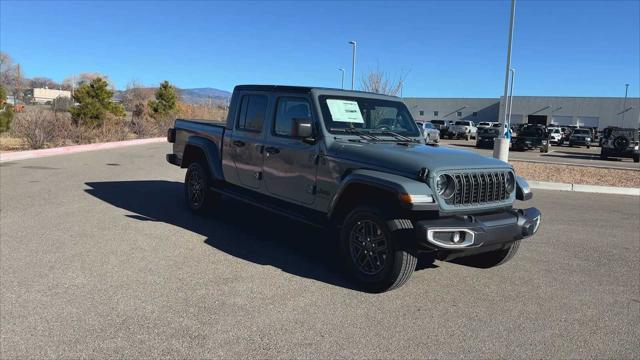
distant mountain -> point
(204, 95)
(191, 96)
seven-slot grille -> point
(479, 188)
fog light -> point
(457, 238)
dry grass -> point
(8, 143)
(577, 174)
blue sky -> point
(447, 49)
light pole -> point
(342, 78)
(624, 106)
(501, 147)
(353, 64)
(513, 75)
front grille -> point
(479, 188)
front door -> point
(246, 141)
(289, 163)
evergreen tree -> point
(166, 101)
(94, 102)
(6, 111)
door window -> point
(288, 109)
(252, 113)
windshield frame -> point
(413, 132)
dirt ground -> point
(577, 174)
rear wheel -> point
(196, 188)
(492, 258)
(603, 154)
(636, 158)
(372, 253)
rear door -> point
(289, 163)
(247, 138)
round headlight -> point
(510, 182)
(445, 186)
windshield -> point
(462, 123)
(484, 124)
(581, 131)
(437, 122)
(429, 126)
(342, 114)
(496, 125)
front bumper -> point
(478, 233)
(486, 141)
(579, 142)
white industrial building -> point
(593, 112)
(44, 96)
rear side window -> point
(252, 112)
(290, 108)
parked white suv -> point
(555, 135)
(463, 129)
(486, 124)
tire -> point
(570, 144)
(636, 158)
(491, 259)
(383, 269)
(468, 137)
(197, 182)
(588, 146)
(620, 143)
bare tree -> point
(380, 82)
(18, 89)
(7, 71)
(42, 82)
(135, 95)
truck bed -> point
(184, 129)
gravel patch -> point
(577, 174)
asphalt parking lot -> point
(557, 155)
(100, 258)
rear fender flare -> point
(211, 153)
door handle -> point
(271, 150)
(238, 143)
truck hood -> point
(409, 159)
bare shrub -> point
(36, 126)
(203, 112)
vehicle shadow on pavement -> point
(238, 229)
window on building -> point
(252, 112)
(459, 113)
(421, 112)
(475, 113)
(435, 113)
(289, 109)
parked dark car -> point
(620, 143)
(356, 164)
(581, 136)
(530, 136)
(486, 136)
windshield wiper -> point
(363, 134)
(397, 136)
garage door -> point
(588, 121)
(562, 120)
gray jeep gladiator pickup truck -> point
(356, 163)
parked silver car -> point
(429, 131)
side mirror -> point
(302, 128)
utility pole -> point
(501, 147)
(353, 64)
(624, 107)
(513, 75)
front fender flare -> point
(395, 184)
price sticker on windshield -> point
(345, 111)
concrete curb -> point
(33, 154)
(543, 185)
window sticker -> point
(345, 111)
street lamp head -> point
(352, 42)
